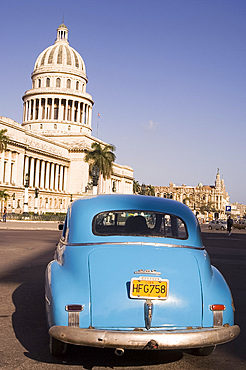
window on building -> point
(69, 128)
(47, 82)
(39, 82)
(77, 85)
(55, 126)
(58, 82)
(41, 126)
(68, 84)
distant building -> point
(205, 200)
(51, 143)
(238, 210)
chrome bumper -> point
(165, 339)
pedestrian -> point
(229, 225)
(4, 214)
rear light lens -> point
(217, 307)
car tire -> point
(57, 348)
(210, 227)
(205, 351)
(222, 228)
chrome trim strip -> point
(147, 272)
(165, 339)
(135, 243)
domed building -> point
(46, 152)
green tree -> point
(3, 140)
(136, 187)
(3, 197)
(102, 157)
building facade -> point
(207, 201)
(49, 147)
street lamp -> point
(114, 187)
(36, 201)
(95, 176)
(26, 184)
(13, 204)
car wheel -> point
(210, 227)
(57, 348)
(222, 228)
(205, 351)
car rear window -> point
(139, 223)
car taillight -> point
(217, 314)
(217, 307)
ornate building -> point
(208, 200)
(51, 143)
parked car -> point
(239, 224)
(217, 225)
(131, 272)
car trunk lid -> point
(111, 269)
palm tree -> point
(3, 140)
(101, 157)
(3, 197)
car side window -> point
(139, 223)
(65, 229)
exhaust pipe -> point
(119, 351)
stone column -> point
(56, 176)
(8, 171)
(73, 112)
(42, 175)
(37, 173)
(66, 109)
(2, 166)
(15, 174)
(34, 110)
(65, 179)
(60, 111)
(52, 176)
(47, 177)
(78, 113)
(46, 109)
(24, 112)
(61, 179)
(31, 179)
(26, 167)
(52, 108)
(39, 109)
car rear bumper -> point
(165, 339)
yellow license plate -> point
(149, 288)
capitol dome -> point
(60, 55)
(58, 102)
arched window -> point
(69, 127)
(58, 82)
(68, 84)
(39, 82)
(77, 85)
(55, 126)
(41, 126)
(47, 82)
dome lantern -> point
(62, 33)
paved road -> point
(23, 333)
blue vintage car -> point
(131, 272)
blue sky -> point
(167, 76)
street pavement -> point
(29, 225)
(25, 249)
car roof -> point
(83, 210)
